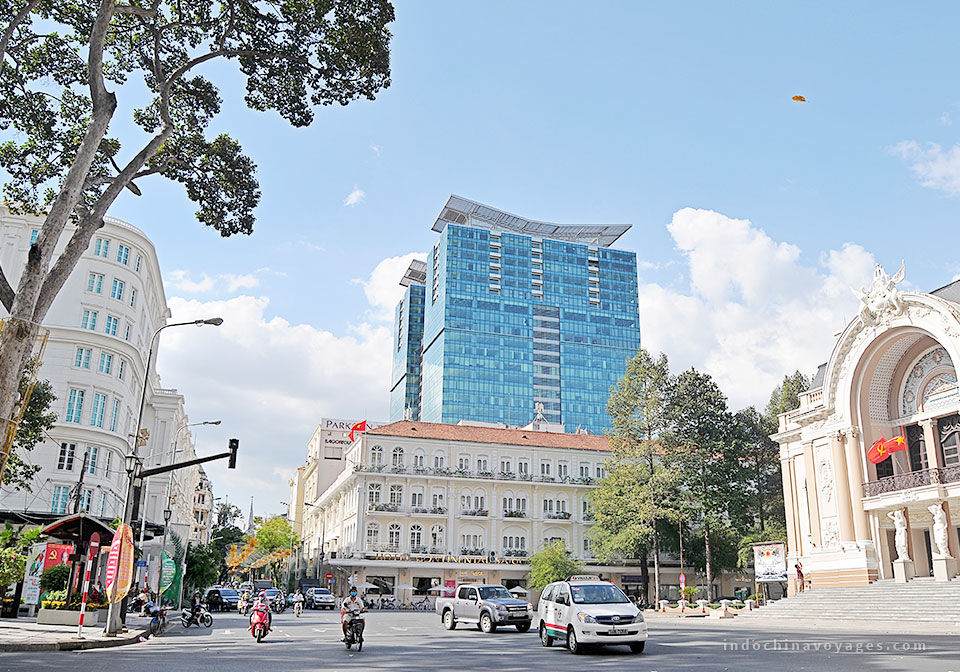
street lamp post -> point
(167, 514)
(131, 502)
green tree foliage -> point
(700, 447)
(552, 563)
(760, 462)
(786, 396)
(55, 578)
(12, 566)
(221, 540)
(203, 566)
(37, 419)
(226, 515)
(15, 544)
(639, 489)
(275, 533)
(67, 67)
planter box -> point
(64, 617)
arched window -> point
(393, 536)
(436, 539)
(376, 456)
(373, 493)
(373, 535)
(419, 460)
(439, 461)
(397, 460)
(416, 539)
(396, 495)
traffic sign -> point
(141, 563)
(329, 576)
(683, 581)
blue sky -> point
(676, 118)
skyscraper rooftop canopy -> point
(462, 211)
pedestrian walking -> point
(799, 568)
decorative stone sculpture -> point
(883, 299)
(940, 529)
(900, 536)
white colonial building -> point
(100, 327)
(892, 372)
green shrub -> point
(690, 592)
(55, 578)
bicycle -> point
(423, 605)
(159, 622)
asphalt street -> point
(416, 641)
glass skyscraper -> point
(514, 313)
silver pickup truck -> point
(486, 606)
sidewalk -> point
(23, 634)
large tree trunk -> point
(656, 563)
(645, 580)
(707, 553)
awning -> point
(78, 528)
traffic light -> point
(234, 445)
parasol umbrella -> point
(518, 590)
(366, 586)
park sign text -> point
(458, 559)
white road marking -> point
(317, 630)
(226, 632)
(393, 627)
(286, 634)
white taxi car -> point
(585, 610)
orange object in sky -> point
(799, 99)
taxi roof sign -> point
(584, 577)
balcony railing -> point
(517, 513)
(560, 515)
(466, 473)
(474, 512)
(393, 508)
(914, 479)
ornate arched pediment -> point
(920, 313)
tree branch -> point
(145, 12)
(6, 292)
(8, 32)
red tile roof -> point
(510, 437)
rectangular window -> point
(103, 504)
(92, 451)
(74, 406)
(523, 467)
(562, 470)
(96, 414)
(107, 464)
(126, 332)
(101, 247)
(89, 320)
(599, 471)
(86, 499)
(95, 283)
(123, 253)
(34, 235)
(133, 298)
(83, 358)
(106, 363)
(67, 452)
(544, 468)
(121, 369)
(112, 324)
(60, 495)
(136, 266)
(117, 291)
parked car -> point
(319, 598)
(585, 610)
(221, 599)
(246, 586)
(485, 605)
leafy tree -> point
(552, 563)
(639, 490)
(12, 566)
(15, 545)
(275, 533)
(227, 515)
(786, 396)
(700, 447)
(203, 566)
(63, 64)
(221, 540)
(37, 419)
(760, 459)
(55, 578)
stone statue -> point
(940, 529)
(883, 299)
(900, 537)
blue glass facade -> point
(510, 320)
(408, 335)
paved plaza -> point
(416, 641)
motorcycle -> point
(355, 632)
(158, 622)
(203, 617)
(297, 609)
(243, 607)
(259, 622)
(278, 605)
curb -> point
(76, 644)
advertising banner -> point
(120, 564)
(168, 571)
(57, 554)
(770, 562)
(31, 578)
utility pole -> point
(79, 486)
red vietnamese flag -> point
(359, 427)
(896, 444)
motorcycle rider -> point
(297, 600)
(352, 608)
(195, 606)
(244, 601)
(265, 603)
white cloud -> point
(270, 382)
(383, 288)
(377, 149)
(956, 277)
(933, 167)
(229, 282)
(753, 311)
(354, 197)
(945, 119)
